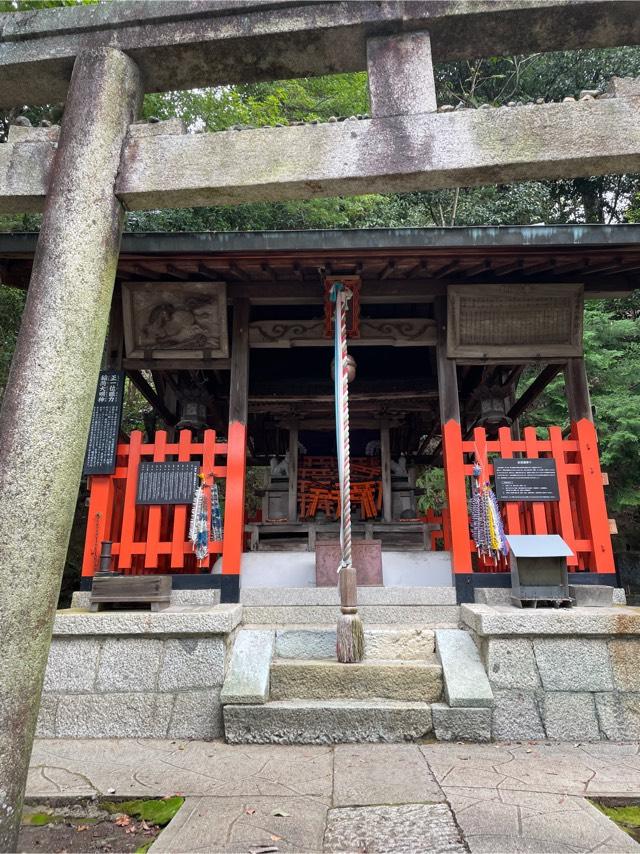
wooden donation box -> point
(539, 569)
(366, 556)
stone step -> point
(290, 596)
(327, 722)
(405, 643)
(427, 616)
(330, 680)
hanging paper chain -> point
(216, 515)
(199, 525)
(486, 523)
(340, 295)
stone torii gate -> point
(101, 60)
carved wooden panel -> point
(175, 320)
(397, 332)
(514, 323)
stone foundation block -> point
(129, 664)
(248, 676)
(573, 664)
(192, 663)
(592, 595)
(317, 680)
(46, 724)
(459, 724)
(72, 665)
(511, 663)
(570, 717)
(492, 595)
(196, 715)
(404, 644)
(139, 715)
(465, 680)
(516, 716)
(326, 722)
(624, 655)
(428, 616)
(619, 716)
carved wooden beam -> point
(398, 332)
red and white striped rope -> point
(343, 428)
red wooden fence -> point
(580, 516)
(149, 539)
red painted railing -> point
(580, 516)
(150, 539)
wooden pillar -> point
(293, 473)
(236, 453)
(385, 463)
(452, 458)
(577, 390)
(49, 397)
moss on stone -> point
(626, 816)
(158, 812)
(38, 819)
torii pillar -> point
(48, 401)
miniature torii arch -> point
(102, 60)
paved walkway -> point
(358, 798)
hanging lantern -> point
(351, 368)
(493, 406)
(193, 415)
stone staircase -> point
(284, 684)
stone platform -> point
(560, 674)
(138, 674)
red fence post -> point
(594, 505)
(537, 507)
(453, 461)
(98, 521)
(129, 510)
(155, 511)
(234, 499)
(564, 504)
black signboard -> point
(167, 483)
(526, 480)
(105, 424)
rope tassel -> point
(350, 632)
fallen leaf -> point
(250, 811)
(82, 827)
(145, 826)
(281, 813)
(275, 838)
(123, 820)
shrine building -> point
(455, 333)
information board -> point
(167, 483)
(526, 480)
(100, 457)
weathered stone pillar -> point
(48, 400)
(400, 70)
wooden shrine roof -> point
(412, 264)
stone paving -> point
(520, 797)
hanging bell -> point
(351, 368)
